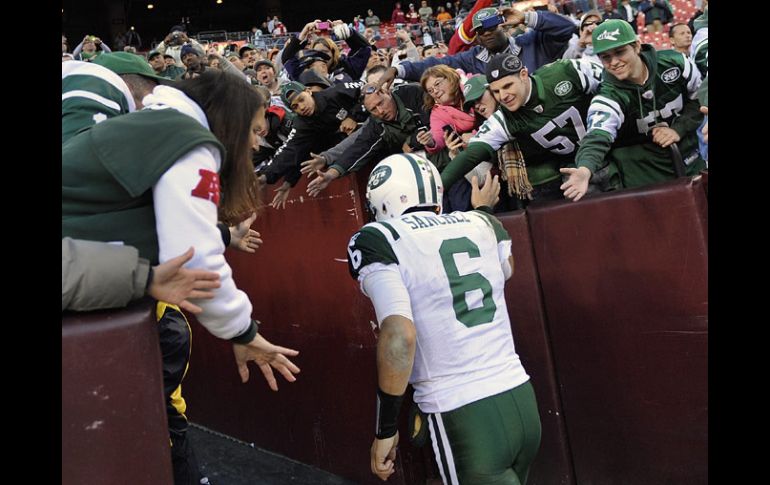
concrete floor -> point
(228, 461)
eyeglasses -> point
(591, 22)
(439, 82)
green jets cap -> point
(128, 63)
(488, 17)
(289, 90)
(473, 89)
(611, 34)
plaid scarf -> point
(514, 170)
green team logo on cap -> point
(512, 63)
(611, 34)
(379, 176)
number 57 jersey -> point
(452, 266)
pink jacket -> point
(447, 115)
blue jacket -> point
(544, 43)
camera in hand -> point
(176, 39)
(323, 25)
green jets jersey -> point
(548, 127)
(90, 94)
(107, 190)
(622, 116)
(452, 267)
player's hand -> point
(664, 136)
(383, 456)
(243, 237)
(577, 184)
(487, 195)
(268, 357)
(281, 195)
(322, 181)
(317, 162)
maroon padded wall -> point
(624, 279)
(608, 309)
(305, 298)
(114, 429)
(528, 322)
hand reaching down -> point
(268, 357)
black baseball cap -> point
(311, 78)
(246, 47)
(502, 65)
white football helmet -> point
(400, 182)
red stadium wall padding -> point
(113, 418)
(528, 322)
(305, 298)
(620, 380)
(624, 279)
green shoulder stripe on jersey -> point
(390, 228)
(500, 233)
(498, 115)
(610, 103)
(367, 246)
(580, 75)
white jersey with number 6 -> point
(452, 268)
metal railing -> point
(267, 41)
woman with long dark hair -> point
(159, 179)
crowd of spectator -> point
(412, 96)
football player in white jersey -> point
(436, 282)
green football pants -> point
(490, 441)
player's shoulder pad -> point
(370, 245)
(494, 223)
